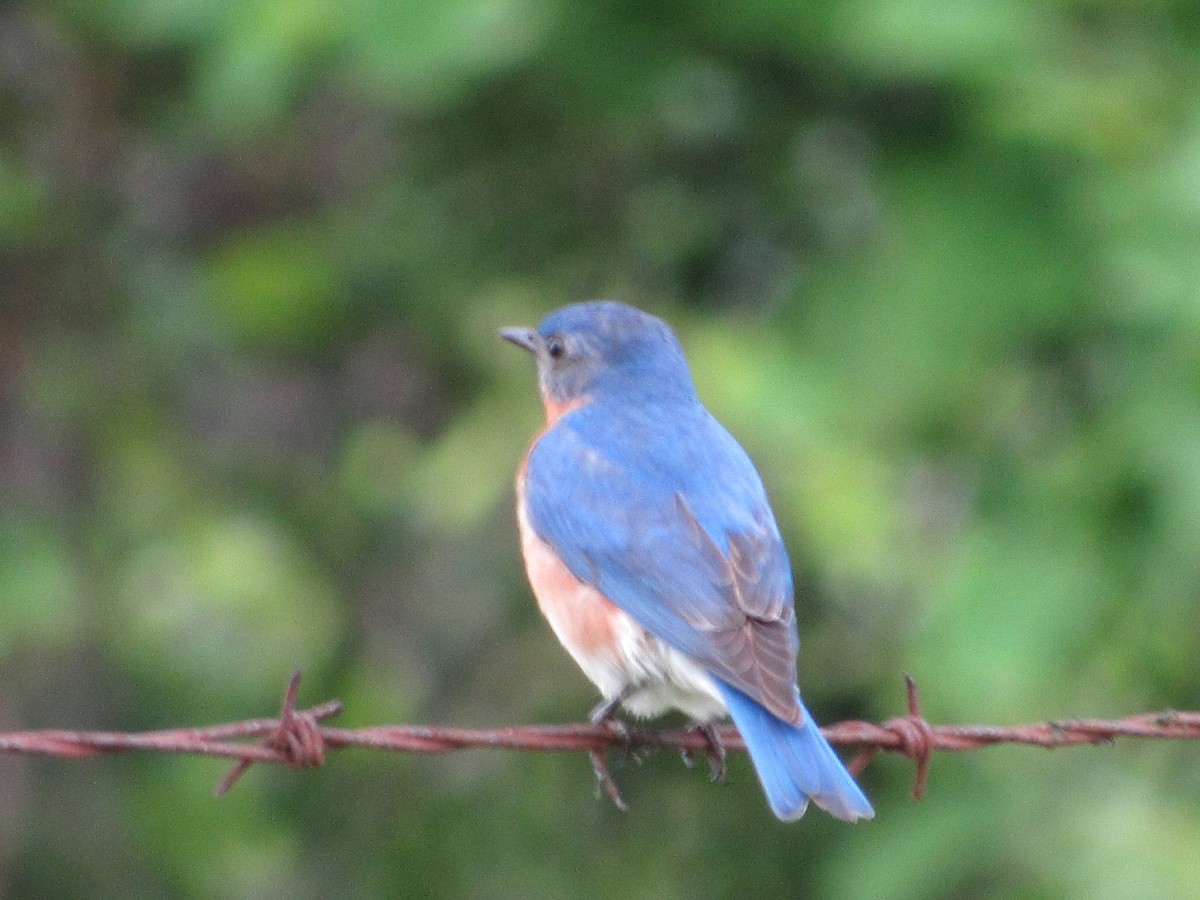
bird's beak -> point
(526, 338)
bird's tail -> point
(795, 763)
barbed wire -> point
(298, 739)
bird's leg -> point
(605, 714)
(714, 752)
(606, 710)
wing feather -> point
(667, 517)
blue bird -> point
(654, 555)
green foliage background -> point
(936, 264)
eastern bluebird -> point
(653, 552)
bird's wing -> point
(667, 517)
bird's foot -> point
(605, 714)
(714, 751)
(605, 780)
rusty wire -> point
(298, 739)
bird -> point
(654, 555)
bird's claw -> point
(605, 714)
(605, 780)
(714, 752)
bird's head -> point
(604, 350)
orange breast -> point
(584, 620)
(555, 410)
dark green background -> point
(937, 265)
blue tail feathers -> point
(795, 763)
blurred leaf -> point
(254, 72)
(276, 287)
(376, 467)
(22, 201)
(427, 52)
(227, 602)
(40, 602)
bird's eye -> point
(556, 348)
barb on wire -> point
(298, 739)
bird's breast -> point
(585, 622)
(616, 653)
(556, 409)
